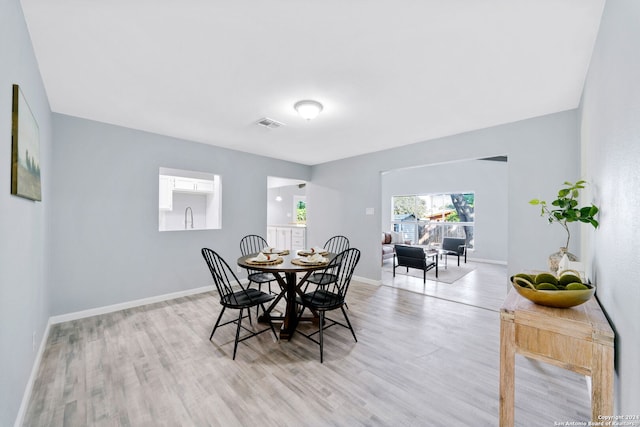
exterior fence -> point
(430, 233)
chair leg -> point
(217, 322)
(321, 322)
(260, 289)
(349, 323)
(235, 345)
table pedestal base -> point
(290, 319)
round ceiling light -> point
(308, 109)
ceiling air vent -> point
(269, 123)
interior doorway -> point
(486, 179)
(286, 213)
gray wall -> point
(543, 153)
(487, 179)
(100, 194)
(105, 212)
(24, 296)
(611, 154)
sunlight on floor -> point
(485, 285)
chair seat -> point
(448, 252)
(261, 277)
(322, 278)
(248, 298)
(322, 300)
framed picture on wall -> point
(25, 149)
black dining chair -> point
(252, 244)
(240, 299)
(330, 296)
(336, 245)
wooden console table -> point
(578, 338)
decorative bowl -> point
(559, 298)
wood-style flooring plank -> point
(425, 356)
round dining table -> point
(286, 273)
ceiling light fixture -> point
(308, 109)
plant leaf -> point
(586, 211)
(566, 206)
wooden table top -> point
(587, 318)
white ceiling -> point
(388, 72)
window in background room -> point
(300, 209)
(426, 219)
(188, 200)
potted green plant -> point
(563, 210)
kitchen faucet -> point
(188, 209)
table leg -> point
(507, 369)
(601, 381)
(290, 316)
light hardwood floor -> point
(427, 355)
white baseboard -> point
(367, 281)
(129, 304)
(487, 261)
(32, 377)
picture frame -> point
(25, 149)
